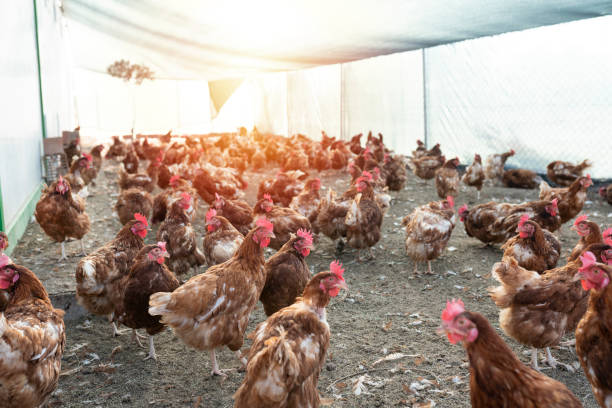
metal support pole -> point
(425, 130)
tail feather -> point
(158, 303)
(586, 163)
(512, 278)
(544, 188)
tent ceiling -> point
(223, 39)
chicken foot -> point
(416, 272)
(215, 367)
(136, 337)
(116, 331)
(83, 248)
(550, 360)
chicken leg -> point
(151, 354)
(83, 248)
(116, 331)
(553, 363)
(534, 359)
(63, 257)
(215, 366)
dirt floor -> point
(384, 349)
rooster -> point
(286, 221)
(534, 248)
(570, 199)
(238, 212)
(494, 165)
(148, 275)
(179, 234)
(32, 338)
(222, 239)
(537, 310)
(363, 219)
(61, 214)
(496, 222)
(447, 179)
(589, 233)
(212, 309)
(98, 275)
(474, 175)
(290, 347)
(593, 331)
(428, 229)
(287, 273)
(497, 376)
(565, 173)
(133, 201)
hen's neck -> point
(249, 248)
(489, 349)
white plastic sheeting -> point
(20, 127)
(314, 101)
(213, 39)
(547, 93)
(110, 105)
(385, 94)
(56, 68)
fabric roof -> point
(205, 39)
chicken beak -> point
(342, 285)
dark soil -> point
(387, 311)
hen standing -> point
(363, 219)
(62, 215)
(570, 199)
(179, 234)
(589, 233)
(290, 347)
(593, 331)
(287, 273)
(222, 239)
(497, 377)
(32, 338)
(98, 274)
(148, 275)
(474, 175)
(494, 165)
(447, 179)
(428, 229)
(286, 221)
(212, 309)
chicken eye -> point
(596, 271)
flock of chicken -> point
(136, 285)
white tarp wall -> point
(108, 105)
(20, 127)
(56, 68)
(314, 101)
(385, 94)
(545, 92)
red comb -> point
(186, 196)
(524, 218)
(174, 179)
(141, 218)
(162, 245)
(450, 200)
(367, 175)
(607, 236)
(588, 260)
(463, 209)
(453, 309)
(88, 157)
(554, 202)
(267, 197)
(211, 214)
(336, 268)
(5, 260)
(306, 236)
(265, 224)
(583, 217)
